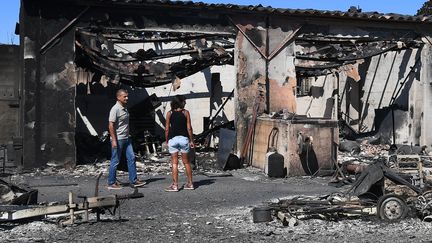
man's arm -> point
(189, 129)
(167, 126)
(113, 134)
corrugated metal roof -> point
(352, 13)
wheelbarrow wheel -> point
(392, 208)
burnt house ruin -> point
(307, 73)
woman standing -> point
(179, 137)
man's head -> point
(122, 96)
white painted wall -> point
(382, 79)
(197, 88)
(316, 106)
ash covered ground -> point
(219, 210)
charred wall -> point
(49, 80)
(266, 77)
(275, 55)
(350, 71)
(426, 89)
(9, 96)
(50, 75)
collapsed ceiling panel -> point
(320, 54)
(101, 50)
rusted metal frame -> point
(247, 37)
(391, 175)
(284, 42)
(370, 90)
(51, 42)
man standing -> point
(118, 127)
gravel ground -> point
(219, 210)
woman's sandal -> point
(189, 187)
(172, 188)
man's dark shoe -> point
(138, 183)
(114, 186)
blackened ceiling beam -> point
(128, 36)
(349, 40)
(166, 30)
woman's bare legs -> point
(187, 166)
(174, 174)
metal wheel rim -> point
(393, 209)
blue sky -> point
(10, 9)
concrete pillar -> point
(426, 81)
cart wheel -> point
(392, 208)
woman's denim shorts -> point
(178, 143)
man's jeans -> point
(115, 160)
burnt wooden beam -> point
(284, 42)
(118, 39)
(168, 30)
(62, 32)
(248, 38)
(325, 66)
(345, 40)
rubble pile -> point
(388, 186)
(373, 150)
(318, 230)
(355, 156)
(205, 162)
(37, 231)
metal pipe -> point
(220, 108)
(393, 125)
(267, 63)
